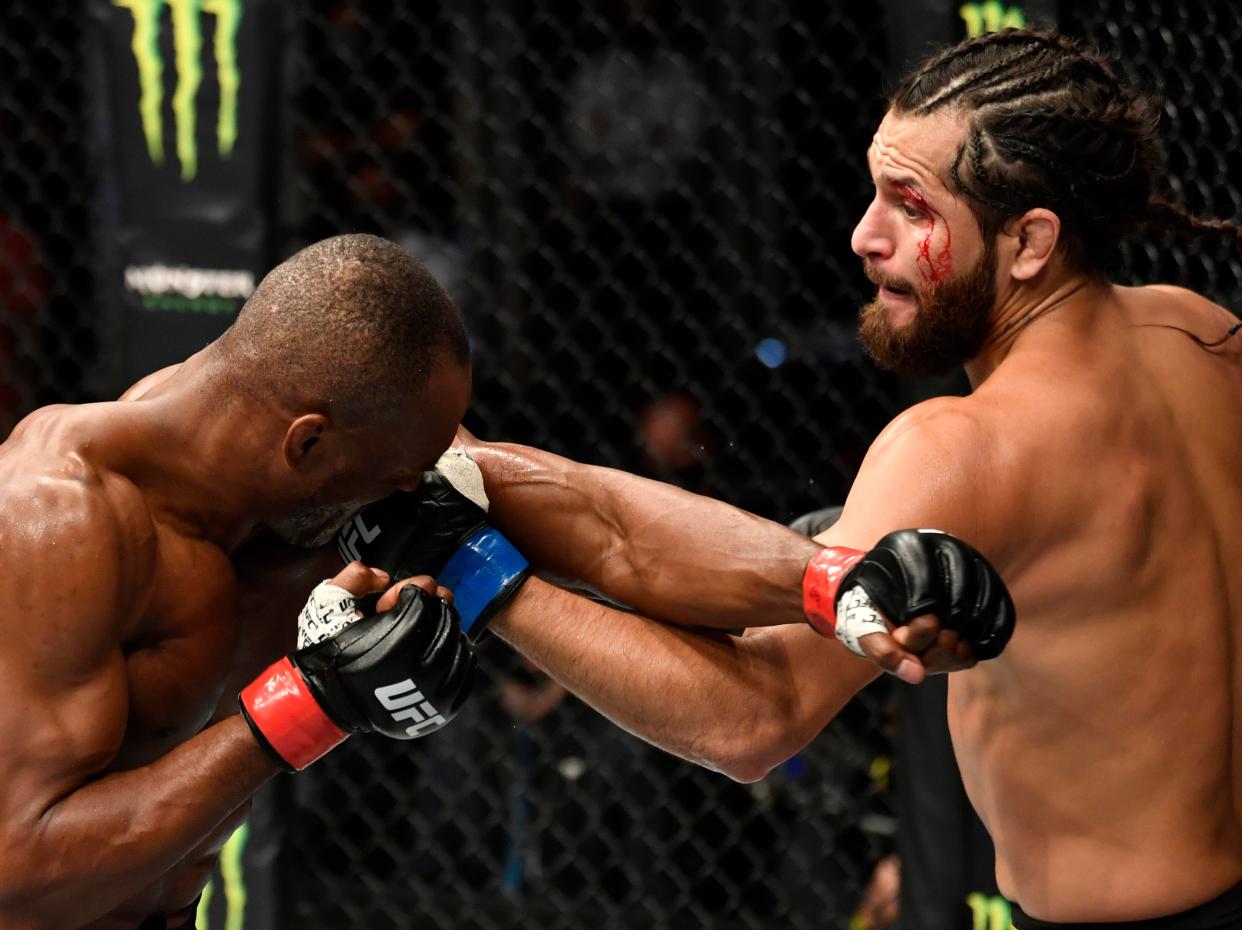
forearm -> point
(739, 705)
(668, 553)
(108, 840)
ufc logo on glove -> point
(409, 704)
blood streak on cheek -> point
(938, 267)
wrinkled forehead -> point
(918, 148)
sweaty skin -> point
(134, 612)
(1096, 464)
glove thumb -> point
(459, 469)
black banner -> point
(919, 27)
(189, 102)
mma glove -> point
(909, 573)
(403, 673)
(441, 529)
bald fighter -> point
(125, 525)
(1096, 464)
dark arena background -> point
(644, 210)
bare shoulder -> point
(1180, 308)
(945, 440)
(79, 543)
(941, 420)
(1172, 291)
(75, 550)
(935, 465)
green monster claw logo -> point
(187, 46)
(989, 912)
(232, 885)
(990, 16)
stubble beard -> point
(950, 324)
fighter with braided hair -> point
(1097, 464)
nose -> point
(870, 239)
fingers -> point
(389, 598)
(918, 649)
(920, 634)
(358, 579)
(950, 654)
(887, 652)
(939, 650)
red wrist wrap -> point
(284, 711)
(821, 583)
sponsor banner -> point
(917, 28)
(189, 99)
(244, 891)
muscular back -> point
(1100, 748)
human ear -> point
(1037, 233)
(302, 436)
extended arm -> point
(736, 704)
(666, 552)
(694, 561)
(739, 705)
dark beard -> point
(950, 323)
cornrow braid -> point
(1049, 124)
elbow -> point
(747, 771)
(749, 753)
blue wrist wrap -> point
(485, 565)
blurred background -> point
(643, 210)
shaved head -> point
(352, 324)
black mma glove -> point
(403, 673)
(441, 530)
(815, 522)
(906, 574)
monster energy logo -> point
(989, 912)
(196, 290)
(187, 49)
(990, 16)
(231, 887)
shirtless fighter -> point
(126, 763)
(1097, 463)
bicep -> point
(64, 692)
(59, 730)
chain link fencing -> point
(1189, 55)
(48, 339)
(644, 212)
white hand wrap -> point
(856, 617)
(329, 609)
(463, 474)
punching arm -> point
(737, 704)
(666, 552)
